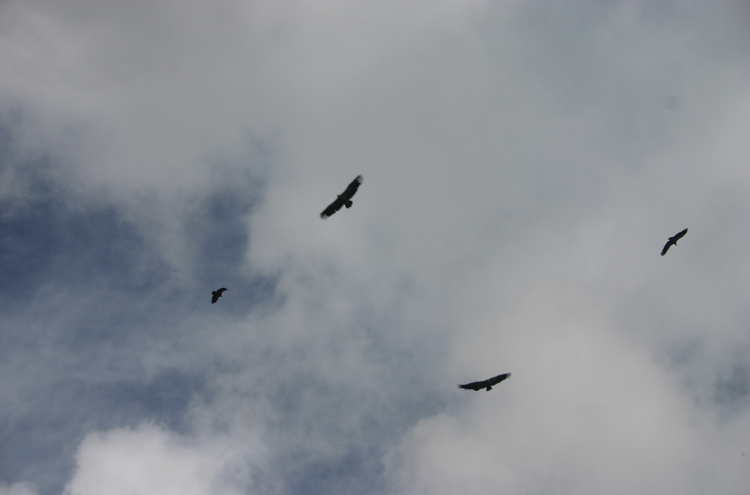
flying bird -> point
(673, 240)
(486, 384)
(217, 294)
(343, 199)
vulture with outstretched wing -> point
(215, 295)
(343, 199)
(486, 384)
(673, 240)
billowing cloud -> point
(587, 410)
(523, 166)
(150, 460)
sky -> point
(524, 164)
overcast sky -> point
(523, 162)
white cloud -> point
(149, 460)
(586, 411)
(522, 172)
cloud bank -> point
(524, 163)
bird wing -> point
(221, 291)
(678, 236)
(351, 189)
(332, 208)
(497, 379)
(666, 247)
(473, 386)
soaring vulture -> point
(486, 384)
(217, 294)
(343, 199)
(673, 240)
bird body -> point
(485, 384)
(215, 295)
(343, 199)
(673, 241)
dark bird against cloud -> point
(673, 240)
(486, 384)
(217, 294)
(343, 199)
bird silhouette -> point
(343, 199)
(485, 384)
(673, 241)
(217, 294)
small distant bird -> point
(673, 240)
(217, 294)
(343, 199)
(486, 384)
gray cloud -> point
(522, 171)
